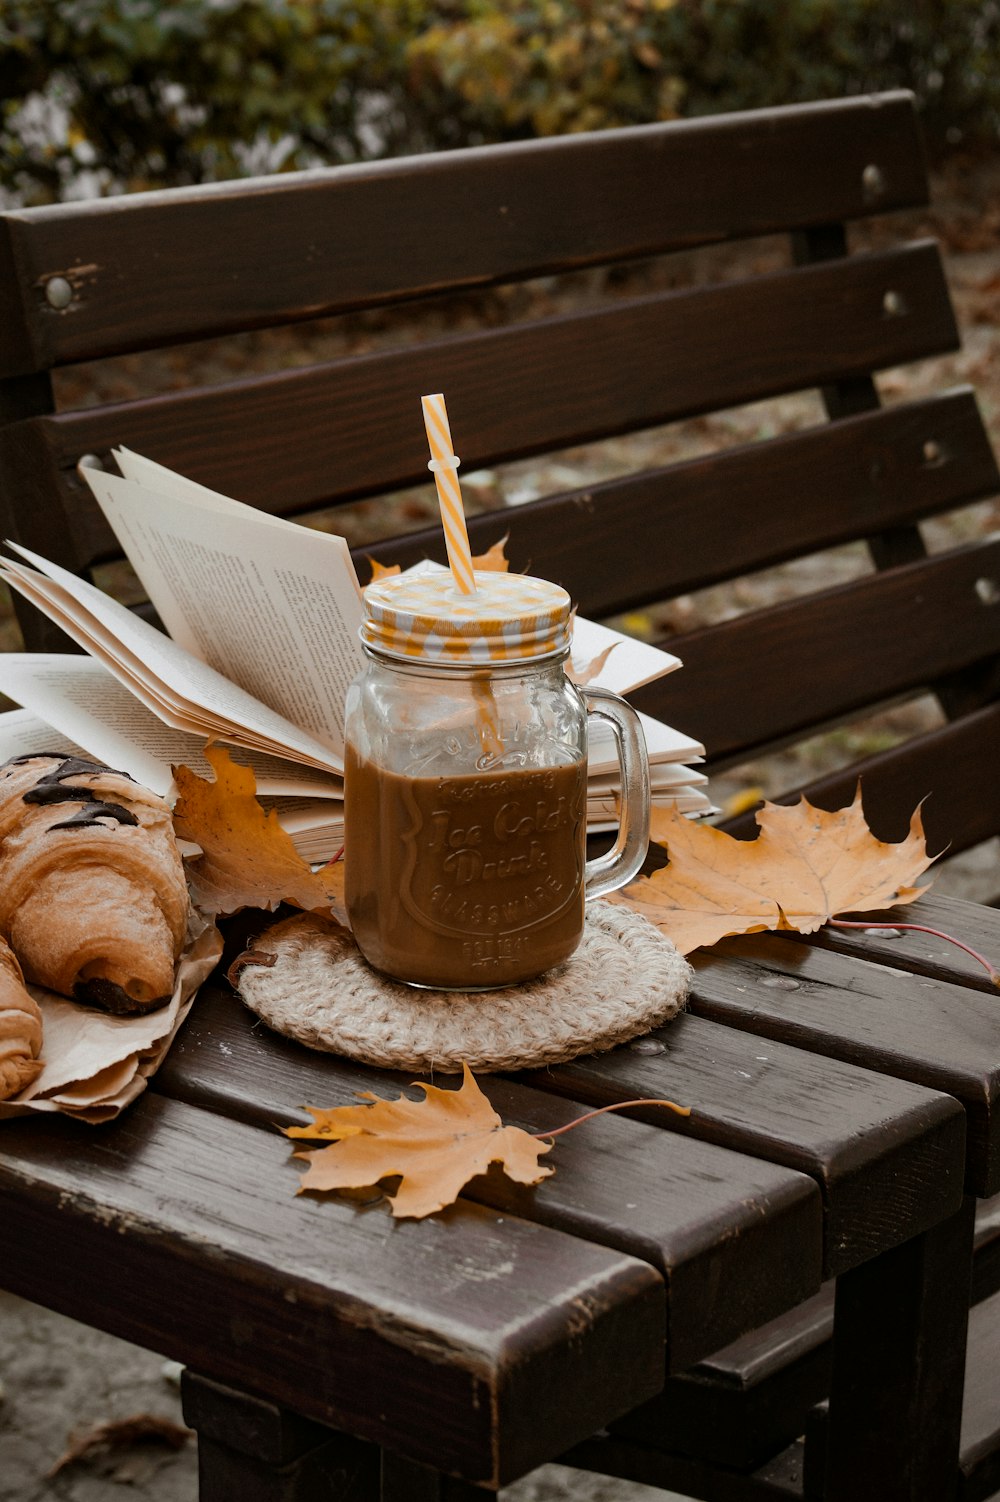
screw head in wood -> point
(58, 293)
(873, 182)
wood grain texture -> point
(898, 1366)
(922, 953)
(934, 1033)
(155, 268)
(735, 1240)
(951, 768)
(352, 427)
(939, 625)
(888, 1156)
(980, 1452)
(769, 501)
(441, 1337)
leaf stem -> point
(922, 928)
(620, 1105)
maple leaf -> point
(493, 561)
(805, 866)
(434, 1146)
(588, 671)
(247, 859)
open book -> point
(263, 617)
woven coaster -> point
(623, 980)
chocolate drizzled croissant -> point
(20, 1029)
(93, 899)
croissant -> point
(93, 899)
(20, 1029)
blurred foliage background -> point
(102, 97)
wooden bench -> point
(414, 245)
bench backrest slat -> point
(949, 772)
(769, 501)
(712, 329)
(334, 432)
(159, 268)
(812, 660)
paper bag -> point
(96, 1064)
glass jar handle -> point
(622, 862)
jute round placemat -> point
(624, 979)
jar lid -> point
(422, 614)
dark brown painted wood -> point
(979, 1473)
(405, 1481)
(735, 1240)
(923, 953)
(951, 768)
(254, 1450)
(835, 647)
(775, 1102)
(980, 1455)
(928, 1031)
(160, 267)
(769, 501)
(351, 427)
(779, 1480)
(483, 1321)
(898, 1367)
(748, 1401)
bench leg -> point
(900, 1326)
(255, 1451)
(405, 1481)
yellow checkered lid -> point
(422, 614)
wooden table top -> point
(831, 1083)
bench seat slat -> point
(735, 1239)
(769, 501)
(781, 1104)
(928, 1031)
(925, 954)
(443, 1338)
(300, 439)
(801, 663)
(299, 245)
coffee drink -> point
(466, 882)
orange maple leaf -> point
(493, 561)
(805, 866)
(247, 859)
(434, 1146)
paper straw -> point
(444, 467)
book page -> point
(81, 698)
(79, 607)
(663, 743)
(273, 606)
(24, 734)
(629, 663)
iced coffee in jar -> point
(466, 783)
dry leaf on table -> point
(805, 866)
(435, 1145)
(141, 1428)
(247, 859)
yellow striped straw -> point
(444, 467)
